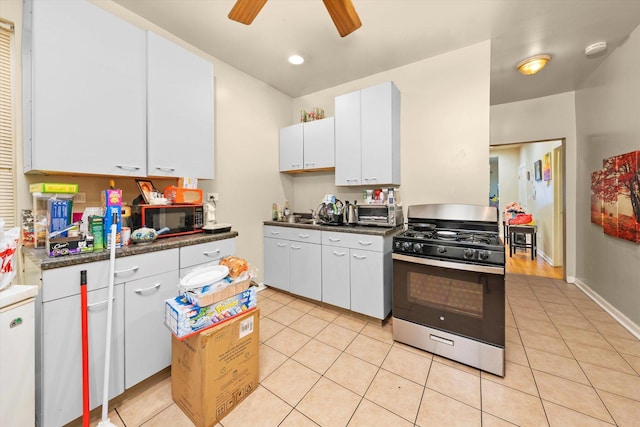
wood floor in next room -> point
(520, 263)
(568, 363)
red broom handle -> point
(85, 350)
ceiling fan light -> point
(296, 59)
(533, 64)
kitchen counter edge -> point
(374, 231)
(44, 262)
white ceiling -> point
(399, 32)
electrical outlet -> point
(80, 197)
(212, 197)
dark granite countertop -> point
(374, 231)
(40, 258)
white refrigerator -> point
(17, 355)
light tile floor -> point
(568, 363)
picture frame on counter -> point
(146, 188)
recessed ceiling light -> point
(296, 59)
(595, 48)
(533, 64)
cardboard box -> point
(214, 370)
(185, 319)
(53, 187)
(61, 246)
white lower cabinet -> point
(305, 270)
(344, 269)
(146, 341)
(276, 263)
(59, 363)
(370, 279)
(336, 276)
(293, 260)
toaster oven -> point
(380, 215)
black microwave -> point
(179, 219)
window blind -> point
(7, 158)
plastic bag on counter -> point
(8, 247)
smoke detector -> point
(595, 48)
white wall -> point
(540, 198)
(543, 119)
(444, 131)
(607, 107)
(508, 164)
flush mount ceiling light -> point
(533, 64)
(296, 59)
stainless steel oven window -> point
(448, 295)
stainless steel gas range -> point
(448, 284)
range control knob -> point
(406, 246)
(417, 248)
(469, 253)
(442, 250)
(398, 245)
(484, 254)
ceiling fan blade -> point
(245, 11)
(344, 16)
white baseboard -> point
(261, 287)
(627, 323)
(571, 279)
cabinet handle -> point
(163, 169)
(282, 245)
(303, 236)
(360, 242)
(128, 167)
(359, 256)
(296, 166)
(129, 270)
(140, 291)
(296, 247)
(96, 304)
(339, 253)
(275, 233)
(352, 179)
(375, 178)
(334, 239)
(310, 164)
(211, 253)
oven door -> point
(463, 299)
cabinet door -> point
(380, 135)
(347, 139)
(88, 99)
(180, 111)
(17, 363)
(61, 354)
(305, 270)
(291, 147)
(276, 263)
(336, 289)
(319, 144)
(368, 283)
(147, 341)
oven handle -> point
(449, 264)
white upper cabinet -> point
(179, 111)
(84, 90)
(291, 147)
(307, 146)
(367, 132)
(104, 97)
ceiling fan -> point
(342, 13)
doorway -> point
(543, 196)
